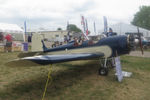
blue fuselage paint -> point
(118, 44)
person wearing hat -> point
(110, 33)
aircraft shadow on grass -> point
(60, 79)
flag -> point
(68, 34)
(68, 28)
(105, 24)
(84, 27)
(83, 23)
(94, 28)
(25, 28)
(25, 31)
(87, 31)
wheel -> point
(108, 64)
(103, 71)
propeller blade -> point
(140, 41)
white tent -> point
(13, 29)
(122, 28)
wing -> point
(51, 59)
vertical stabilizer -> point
(44, 47)
(36, 42)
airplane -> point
(104, 49)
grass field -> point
(78, 80)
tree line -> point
(142, 17)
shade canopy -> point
(10, 28)
(122, 28)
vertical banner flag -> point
(25, 30)
(67, 25)
(105, 25)
(68, 29)
(87, 31)
(84, 27)
(94, 28)
(118, 69)
(83, 23)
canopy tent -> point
(12, 29)
(122, 28)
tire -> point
(103, 71)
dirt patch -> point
(139, 54)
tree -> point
(72, 27)
(59, 29)
(142, 17)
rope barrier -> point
(48, 78)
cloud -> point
(55, 13)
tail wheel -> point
(103, 71)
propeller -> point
(140, 41)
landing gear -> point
(105, 65)
(103, 71)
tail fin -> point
(44, 47)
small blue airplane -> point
(103, 49)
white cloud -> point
(55, 13)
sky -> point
(51, 14)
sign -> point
(118, 69)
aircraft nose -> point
(132, 42)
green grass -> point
(136, 62)
(78, 80)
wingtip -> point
(20, 63)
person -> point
(1, 37)
(29, 38)
(76, 41)
(8, 46)
(80, 41)
(110, 33)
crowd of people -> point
(79, 41)
(6, 40)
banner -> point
(105, 25)
(94, 28)
(25, 31)
(118, 69)
(85, 29)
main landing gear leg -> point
(104, 68)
